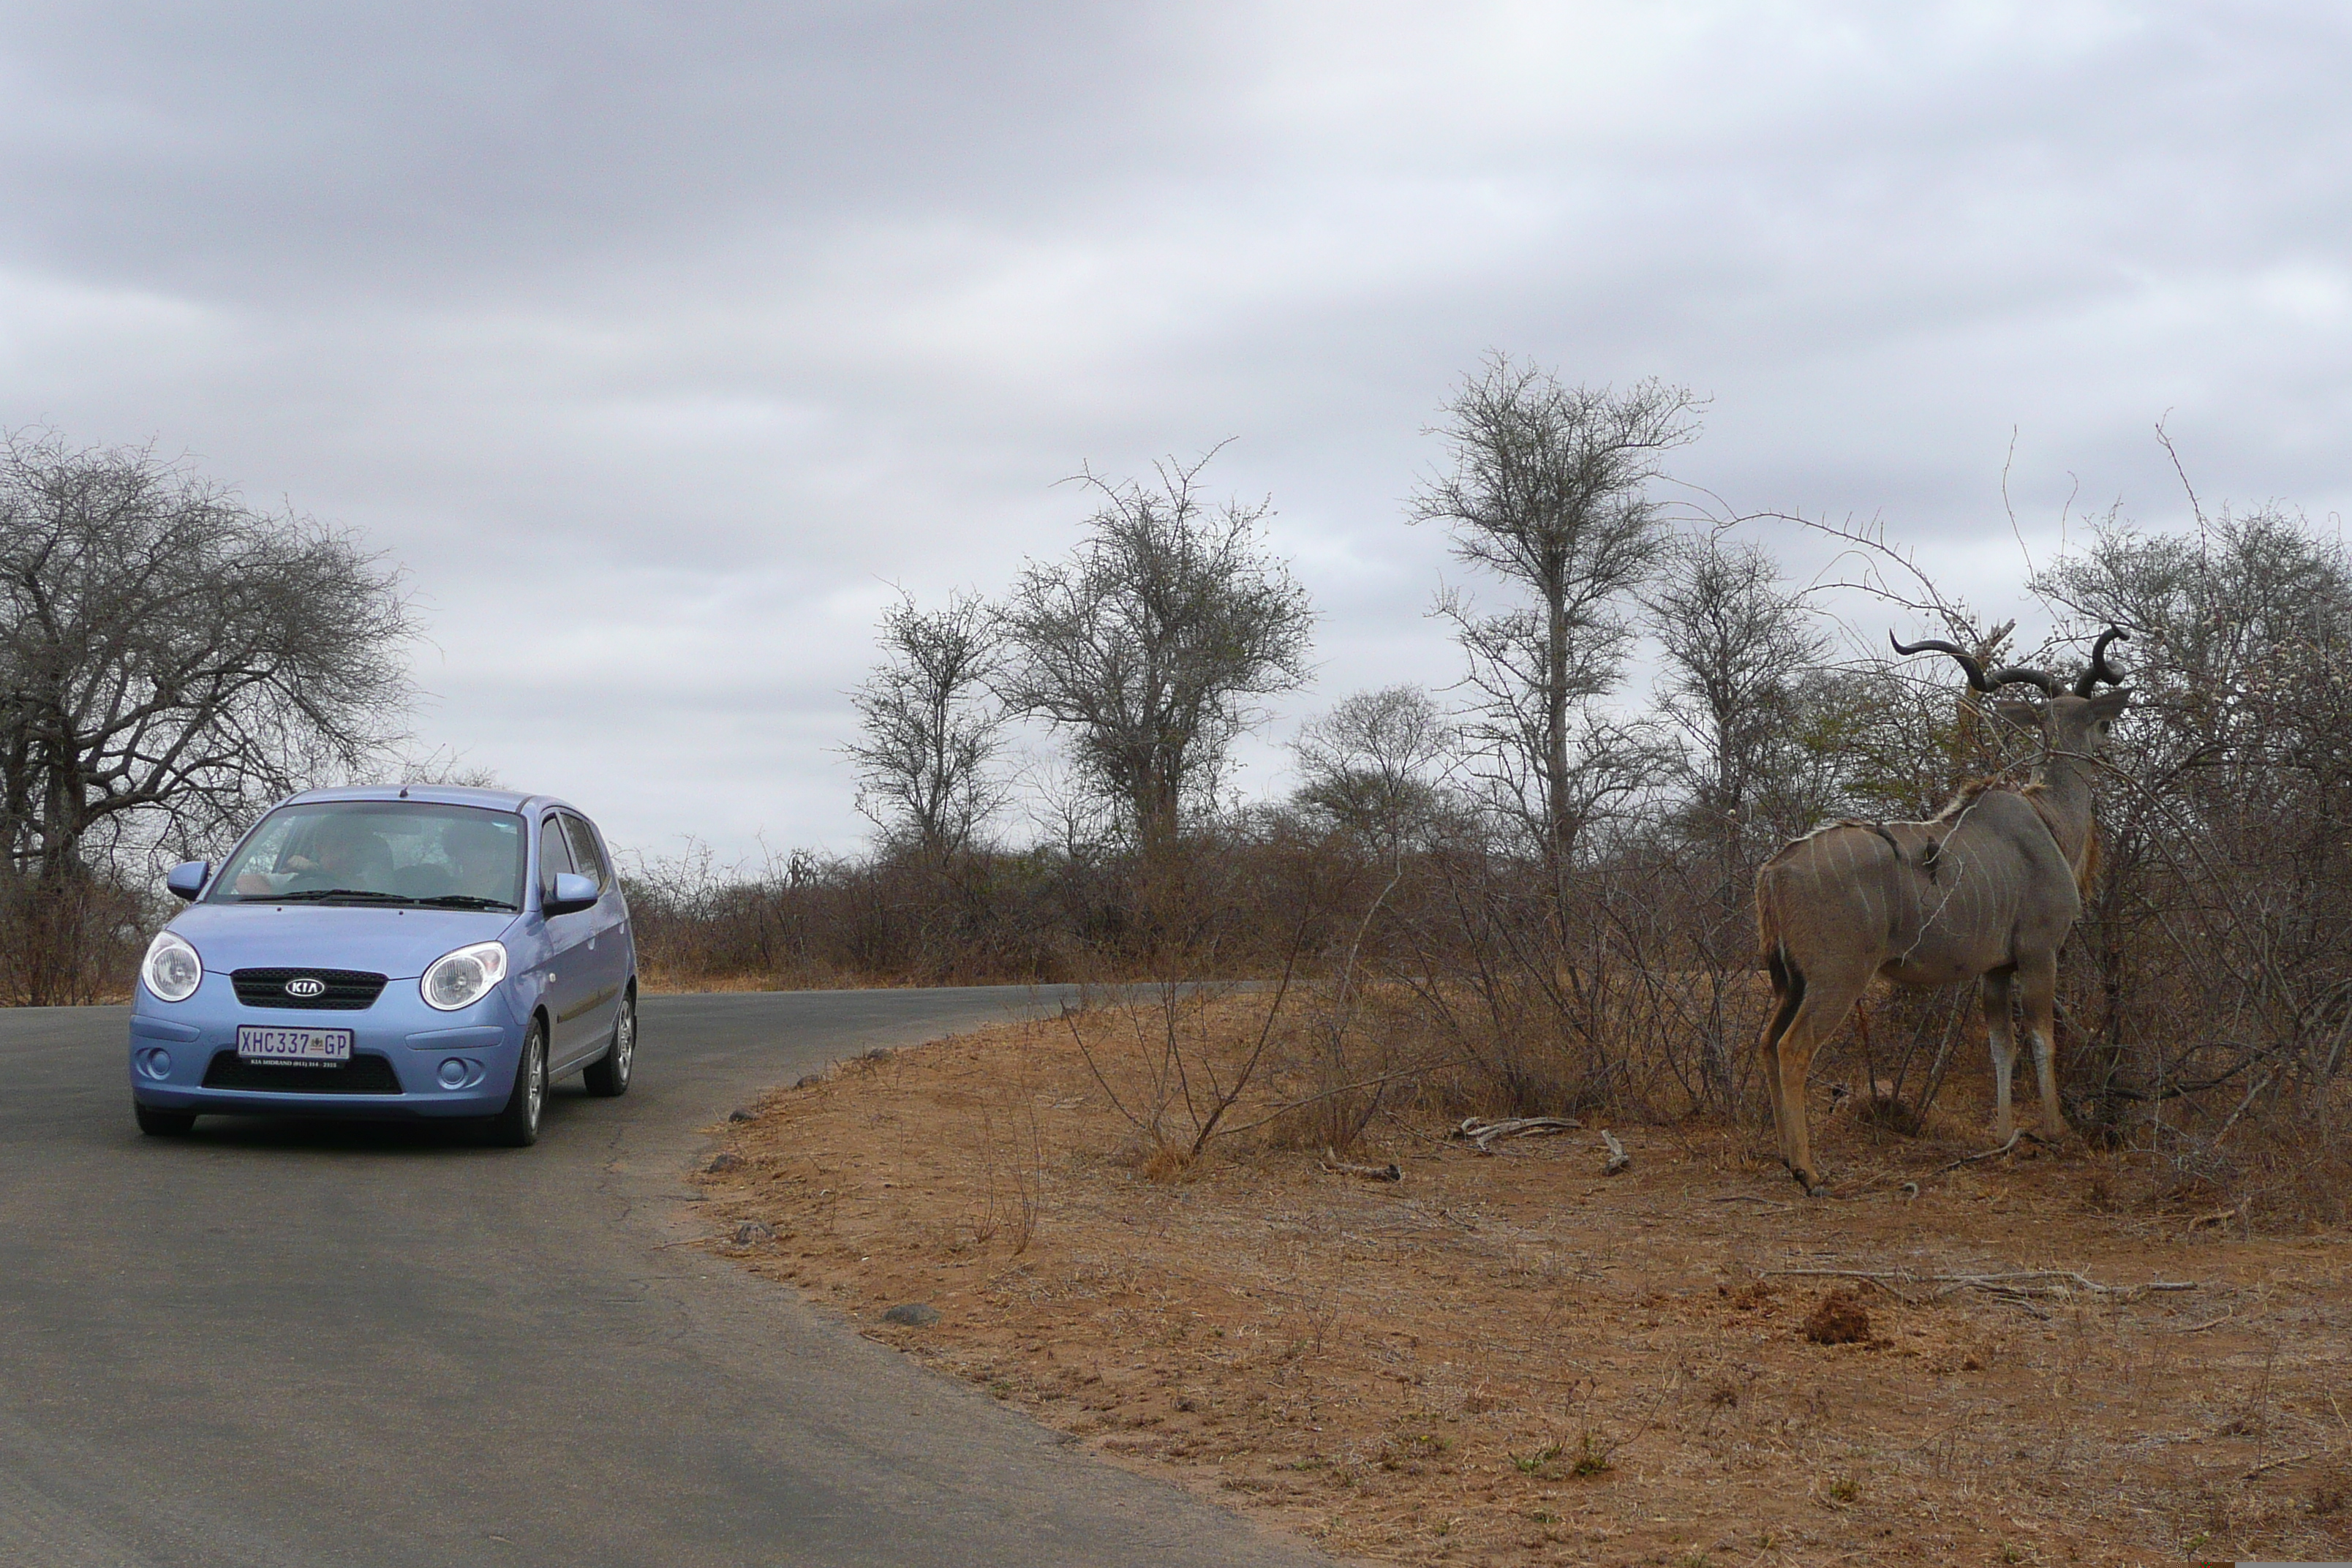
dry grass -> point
(1513, 1359)
(658, 982)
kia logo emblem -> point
(306, 985)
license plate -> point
(293, 1048)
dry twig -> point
(1987, 1154)
(1481, 1132)
(1338, 1167)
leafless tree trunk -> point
(169, 656)
(1148, 644)
(931, 725)
(1548, 491)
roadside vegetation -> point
(1530, 891)
(1524, 889)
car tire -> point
(608, 1075)
(157, 1122)
(517, 1126)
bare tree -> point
(1149, 644)
(447, 765)
(1368, 764)
(932, 725)
(167, 656)
(1737, 642)
(1548, 491)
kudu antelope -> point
(1986, 890)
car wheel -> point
(157, 1122)
(608, 1075)
(517, 1127)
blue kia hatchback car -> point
(422, 951)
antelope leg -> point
(1819, 1016)
(2002, 1038)
(1769, 1049)
(2039, 977)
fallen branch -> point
(1482, 1133)
(2282, 1464)
(1618, 1158)
(1746, 1198)
(2025, 1285)
(1987, 1154)
(1338, 1167)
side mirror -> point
(186, 879)
(572, 891)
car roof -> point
(439, 794)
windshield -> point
(380, 852)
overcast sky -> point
(659, 340)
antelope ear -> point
(2023, 714)
(2109, 704)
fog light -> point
(453, 1073)
(155, 1062)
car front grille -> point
(360, 1075)
(345, 990)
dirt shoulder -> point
(1512, 1359)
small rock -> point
(722, 1164)
(1840, 1320)
(912, 1315)
(739, 1115)
(878, 1054)
(751, 1232)
(809, 1080)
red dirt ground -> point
(1511, 1358)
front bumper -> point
(439, 1064)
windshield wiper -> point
(462, 901)
(317, 895)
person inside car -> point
(344, 854)
(481, 859)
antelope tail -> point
(1788, 980)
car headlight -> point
(462, 978)
(172, 969)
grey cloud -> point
(698, 325)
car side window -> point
(586, 854)
(554, 858)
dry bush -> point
(71, 941)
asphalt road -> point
(315, 1343)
